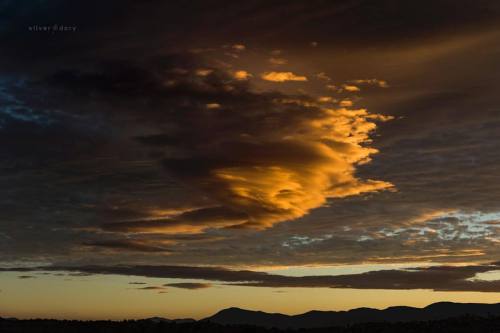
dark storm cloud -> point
(259, 170)
(438, 278)
(111, 131)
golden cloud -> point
(212, 105)
(350, 88)
(282, 77)
(284, 174)
(345, 103)
(270, 157)
(326, 99)
(242, 75)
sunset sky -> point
(174, 158)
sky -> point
(164, 158)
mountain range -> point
(232, 318)
(315, 319)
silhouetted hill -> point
(439, 317)
(165, 320)
(312, 319)
(463, 324)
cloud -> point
(260, 175)
(151, 288)
(239, 47)
(326, 99)
(112, 149)
(376, 82)
(204, 71)
(323, 76)
(80, 274)
(257, 174)
(282, 77)
(128, 245)
(345, 103)
(190, 222)
(213, 105)
(242, 75)
(350, 88)
(189, 285)
(277, 61)
(201, 153)
(438, 278)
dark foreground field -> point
(459, 324)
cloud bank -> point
(438, 278)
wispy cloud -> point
(189, 285)
(438, 278)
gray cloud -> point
(128, 245)
(116, 155)
(438, 278)
(189, 285)
(151, 288)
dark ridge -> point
(438, 317)
(315, 319)
(463, 324)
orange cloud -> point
(239, 47)
(282, 77)
(273, 157)
(326, 99)
(345, 103)
(212, 105)
(350, 88)
(241, 75)
(298, 169)
(276, 173)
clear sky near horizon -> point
(169, 158)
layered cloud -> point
(438, 278)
